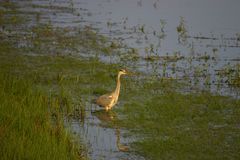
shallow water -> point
(103, 142)
(209, 24)
(151, 28)
(205, 34)
(140, 24)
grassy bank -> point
(26, 126)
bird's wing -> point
(104, 100)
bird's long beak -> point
(128, 72)
(131, 73)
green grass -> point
(27, 128)
(35, 96)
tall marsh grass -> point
(27, 130)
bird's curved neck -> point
(117, 90)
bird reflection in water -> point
(110, 117)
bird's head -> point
(122, 71)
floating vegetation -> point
(9, 14)
(182, 32)
(231, 75)
(162, 33)
(168, 58)
(55, 7)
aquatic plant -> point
(182, 32)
